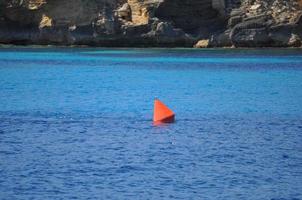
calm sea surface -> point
(76, 124)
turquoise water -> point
(76, 124)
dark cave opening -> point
(189, 15)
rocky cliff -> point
(181, 23)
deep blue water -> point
(77, 124)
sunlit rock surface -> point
(177, 23)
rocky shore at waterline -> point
(152, 23)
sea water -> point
(76, 123)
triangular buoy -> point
(162, 114)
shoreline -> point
(36, 46)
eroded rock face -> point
(239, 23)
(188, 15)
(202, 44)
(257, 23)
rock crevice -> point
(238, 23)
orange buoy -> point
(162, 114)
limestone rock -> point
(280, 35)
(221, 40)
(35, 4)
(45, 21)
(202, 44)
(124, 12)
(266, 23)
(140, 11)
(255, 37)
(294, 41)
(240, 23)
